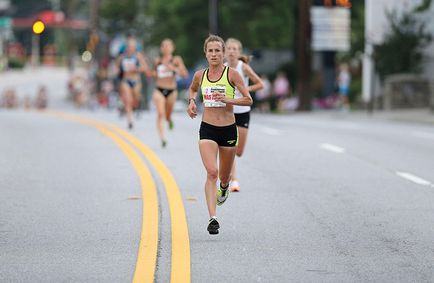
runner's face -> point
(214, 53)
(131, 48)
(167, 47)
(232, 51)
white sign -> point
(4, 5)
(330, 28)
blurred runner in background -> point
(239, 62)
(130, 64)
(166, 68)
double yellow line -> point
(148, 248)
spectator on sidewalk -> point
(9, 98)
(281, 90)
(262, 96)
(41, 100)
(343, 81)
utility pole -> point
(70, 39)
(140, 24)
(304, 55)
(94, 13)
(58, 33)
(213, 16)
(38, 28)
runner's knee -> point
(225, 179)
(161, 116)
(212, 174)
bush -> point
(402, 50)
(16, 63)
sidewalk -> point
(425, 115)
(420, 115)
(27, 81)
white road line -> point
(332, 147)
(349, 126)
(414, 178)
(425, 135)
(271, 131)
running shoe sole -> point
(213, 227)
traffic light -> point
(333, 3)
(328, 3)
(343, 3)
(38, 27)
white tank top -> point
(163, 70)
(238, 108)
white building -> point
(376, 26)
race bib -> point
(209, 95)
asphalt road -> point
(324, 198)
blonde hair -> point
(245, 58)
(213, 38)
(236, 41)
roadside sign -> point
(4, 5)
(330, 29)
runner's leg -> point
(160, 101)
(208, 151)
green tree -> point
(357, 35)
(269, 24)
(184, 21)
(118, 16)
(402, 49)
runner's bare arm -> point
(143, 66)
(254, 78)
(180, 67)
(236, 80)
(118, 65)
(192, 93)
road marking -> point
(180, 240)
(147, 254)
(414, 178)
(271, 131)
(332, 147)
(349, 126)
(425, 135)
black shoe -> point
(130, 126)
(163, 144)
(213, 226)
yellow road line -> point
(180, 240)
(147, 254)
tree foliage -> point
(257, 23)
(402, 49)
(357, 31)
(119, 15)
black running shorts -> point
(223, 136)
(242, 119)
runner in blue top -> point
(131, 64)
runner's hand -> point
(191, 110)
(219, 96)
